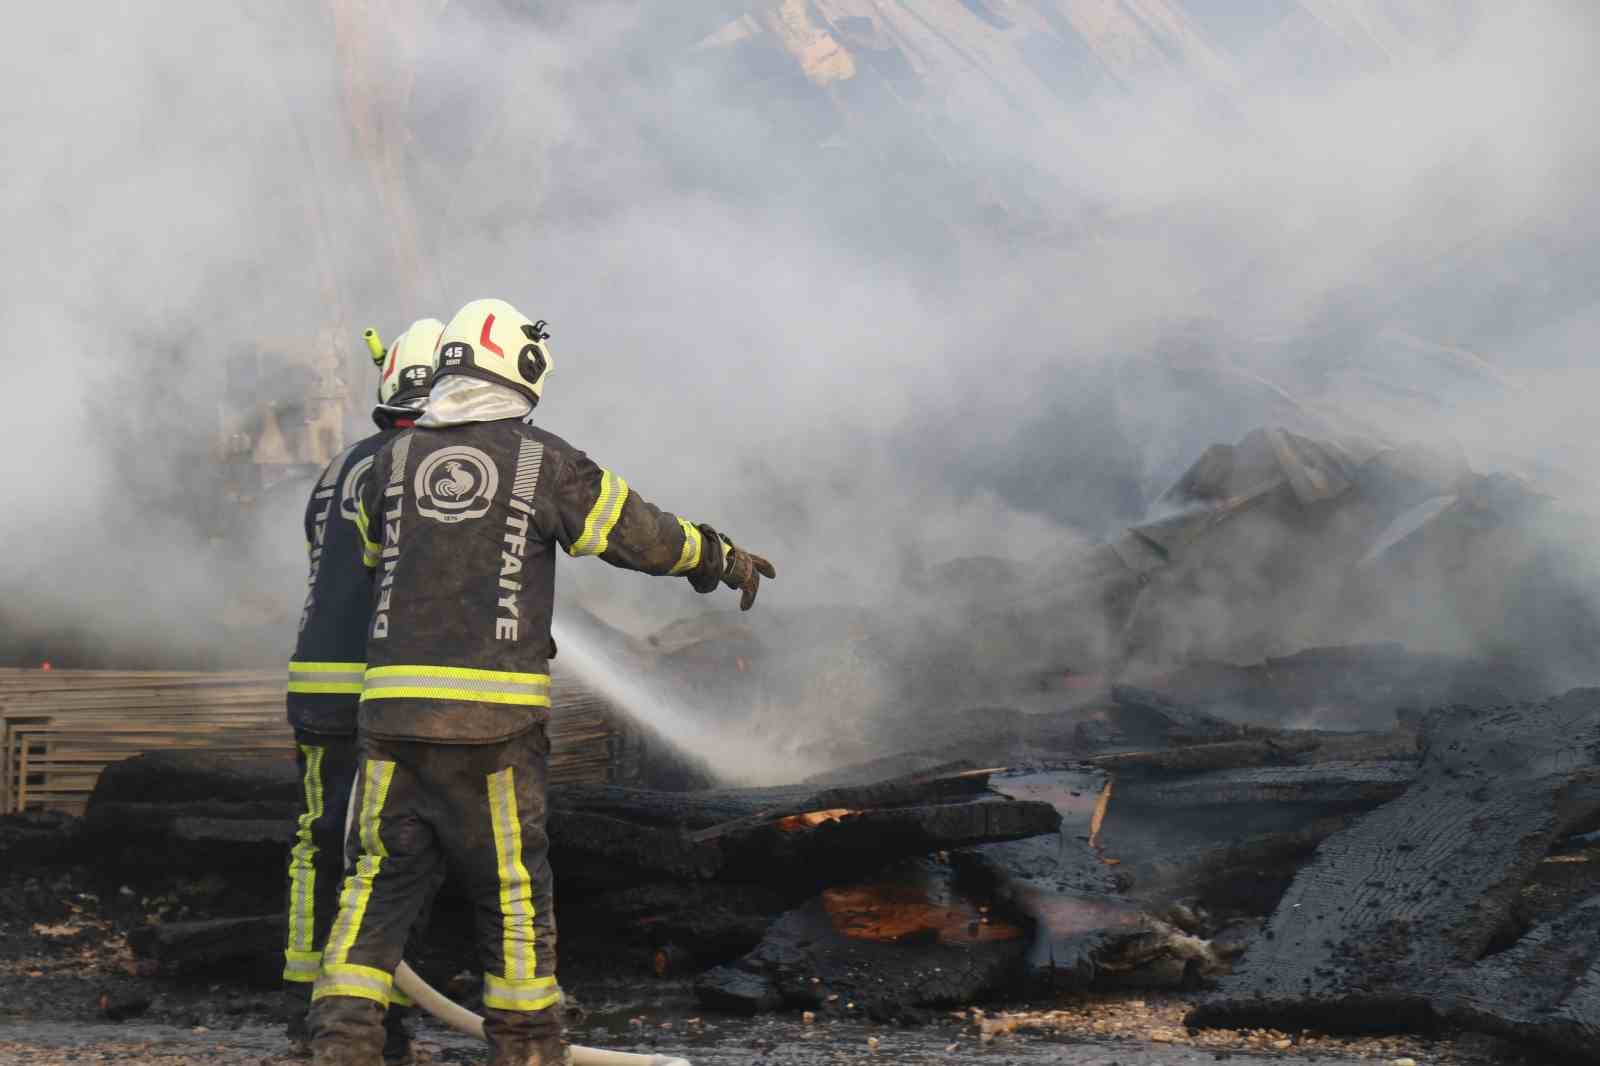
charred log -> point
(199, 947)
(735, 807)
(697, 923)
(819, 845)
(189, 777)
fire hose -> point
(465, 1021)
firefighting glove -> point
(743, 571)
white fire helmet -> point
(408, 369)
(493, 341)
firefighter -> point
(461, 518)
(325, 679)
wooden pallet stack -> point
(60, 728)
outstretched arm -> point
(598, 514)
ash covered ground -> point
(71, 990)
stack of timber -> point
(59, 729)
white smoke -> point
(864, 328)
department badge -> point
(455, 484)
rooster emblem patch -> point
(455, 484)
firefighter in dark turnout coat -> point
(325, 673)
(462, 519)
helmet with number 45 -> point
(493, 341)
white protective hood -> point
(457, 399)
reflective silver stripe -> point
(302, 966)
(530, 459)
(360, 981)
(402, 451)
(520, 995)
(327, 677)
(470, 684)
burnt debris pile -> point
(1438, 872)
(1419, 913)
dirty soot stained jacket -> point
(331, 651)
(461, 524)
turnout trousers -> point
(479, 811)
(316, 862)
(327, 766)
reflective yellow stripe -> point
(358, 888)
(344, 678)
(520, 995)
(302, 860)
(457, 683)
(440, 692)
(516, 887)
(693, 542)
(400, 999)
(363, 982)
(603, 516)
(369, 547)
(301, 967)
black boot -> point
(296, 1023)
(524, 1038)
(511, 1051)
(397, 1037)
(346, 1031)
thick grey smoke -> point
(871, 286)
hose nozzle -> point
(375, 346)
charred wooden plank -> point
(1420, 886)
(1331, 786)
(1199, 758)
(1543, 991)
(1148, 711)
(1228, 866)
(1266, 747)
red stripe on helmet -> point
(483, 338)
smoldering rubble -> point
(1349, 838)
